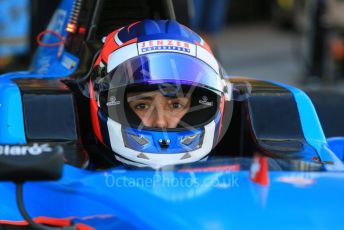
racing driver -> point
(158, 96)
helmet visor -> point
(160, 68)
(185, 90)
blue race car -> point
(273, 167)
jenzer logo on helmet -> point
(22, 150)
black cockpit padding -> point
(267, 121)
(275, 122)
(274, 116)
(49, 110)
(49, 116)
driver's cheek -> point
(147, 117)
(172, 117)
(177, 117)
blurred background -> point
(295, 42)
(20, 23)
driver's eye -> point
(176, 105)
(141, 106)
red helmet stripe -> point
(131, 25)
(205, 46)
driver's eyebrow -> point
(139, 97)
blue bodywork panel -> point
(336, 144)
(11, 114)
(187, 200)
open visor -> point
(178, 78)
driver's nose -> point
(160, 120)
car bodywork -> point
(275, 120)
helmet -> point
(157, 95)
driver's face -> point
(158, 111)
